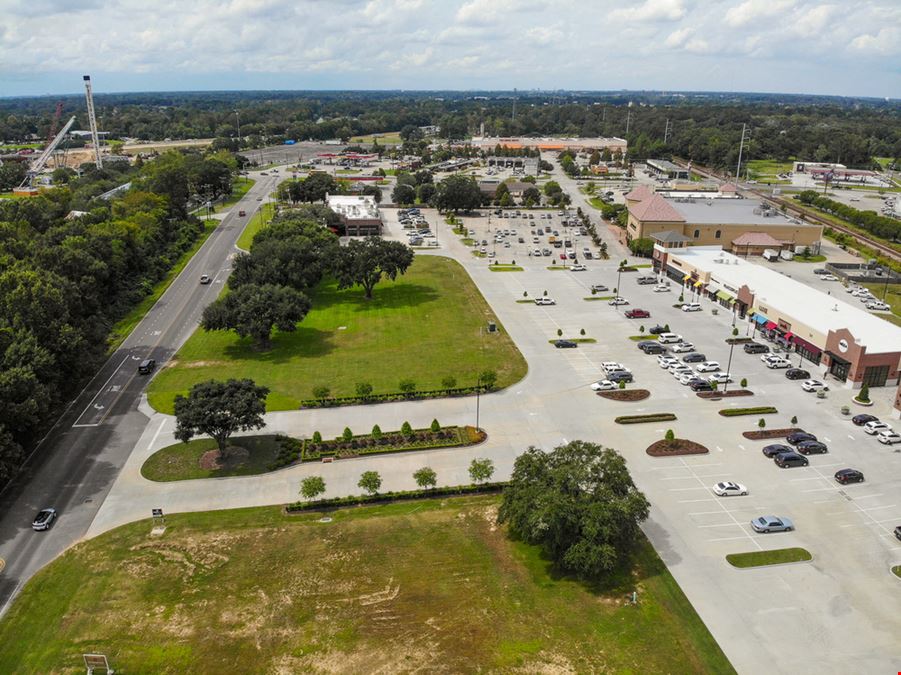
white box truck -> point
(771, 254)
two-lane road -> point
(76, 464)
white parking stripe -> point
(874, 508)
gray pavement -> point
(836, 614)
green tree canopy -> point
(253, 311)
(458, 193)
(365, 262)
(578, 503)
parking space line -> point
(878, 494)
(795, 480)
(729, 539)
(721, 525)
(887, 520)
(876, 508)
(685, 489)
(692, 501)
(825, 489)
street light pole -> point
(728, 367)
(478, 392)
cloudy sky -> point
(807, 46)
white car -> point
(708, 367)
(603, 385)
(814, 385)
(679, 374)
(878, 305)
(778, 362)
(888, 436)
(610, 366)
(578, 268)
(545, 301)
(691, 307)
(828, 277)
(618, 301)
(483, 250)
(719, 378)
(729, 489)
(669, 338)
(685, 378)
(491, 255)
(666, 361)
(682, 347)
(769, 356)
(659, 288)
(875, 427)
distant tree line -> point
(65, 281)
(872, 222)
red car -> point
(638, 314)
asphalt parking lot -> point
(781, 618)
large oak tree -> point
(365, 262)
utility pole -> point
(666, 132)
(741, 147)
(628, 121)
(514, 104)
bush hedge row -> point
(334, 401)
(735, 412)
(638, 419)
(386, 497)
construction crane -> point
(41, 161)
(95, 139)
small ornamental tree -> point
(761, 423)
(744, 382)
(370, 481)
(348, 435)
(481, 470)
(488, 378)
(714, 385)
(317, 437)
(525, 294)
(670, 435)
(864, 394)
(364, 390)
(376, 431)
(406, 387)
(559, 332)
(641, 329)
(406, 430)
(581, 331)
(311, 487)
(734, 332)
(622, 384)
(666, 328)
(794, 420)
(449, 382)
(435, 426)
(425, 477)
(321, 392)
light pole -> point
(729, 365)
(478, 392)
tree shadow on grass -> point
(386, 295)
(306, 341)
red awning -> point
(769, 325)
(788, 335)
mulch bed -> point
(625, 394)
(727, 394)
(212, 459)
(766, 434)
(675, 447)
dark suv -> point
(650, 347)
(786, 460)
(811, 448)
(845, 476)
(658, 329)
(147, 366)
(755, 348)
(797, 374)
(863, 418)
(694, 357)
(619, 376)
(799, 437)
(775, 449)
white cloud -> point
(886, 41)
(652, 10)
(697, 46)
(753, 10)
(544, 35)
(677, 38)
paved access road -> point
(79, 460)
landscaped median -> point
(779, 556)
(253, 455)
(767, 434)
(641, 419)
(579, 340)
(501, 267)
(738, 412)
(629, 395)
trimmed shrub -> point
(670, 435)
(744, 382)
(348, 435)
(638, 419)
(406, 430)
(449, 382)
(364, 390)
(864, 394)
(761, 423)
(317, 437)
(376, 431)
(760, 410)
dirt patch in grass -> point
(766, 434)
(625, 394)
(727, 394)
(675, 447)
(235, 456)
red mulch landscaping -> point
(728, 394)
(675, 447)
(766, 434)
(625, 394)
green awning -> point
(722, 295)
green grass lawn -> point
(768, 170)
(182, 460)
(809, 258)
(387, 138)
(240, 188)
(505, 268)
(427, 325)
(254, 225)
(430, 585)
(775, 557)
(896, 570)
(122, 329)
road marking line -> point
(103, 388)
(825, 489)
(851, 437)
(887, 520)
(874, 508)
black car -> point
(812, 448)
(821, 270)
(775, 449)
(694, 357)
(799, 437)
(797, 374)
(147, 366)
(654, 349)
(619, 376)
(786, 460)
(845, 476)
(898, 532)
(565, 344)
(658, 329)
(700, 385)
(755, 348)
(863, 418)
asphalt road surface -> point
(78, 461)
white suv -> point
(669, 338)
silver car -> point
(772, 524)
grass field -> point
(425, 326)
(387, 138)
(893, 298)
(126, 324)
(768, 170)
(253, 226)
(778, 556)
(240, 189)
(428, 586)
(182, 460)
